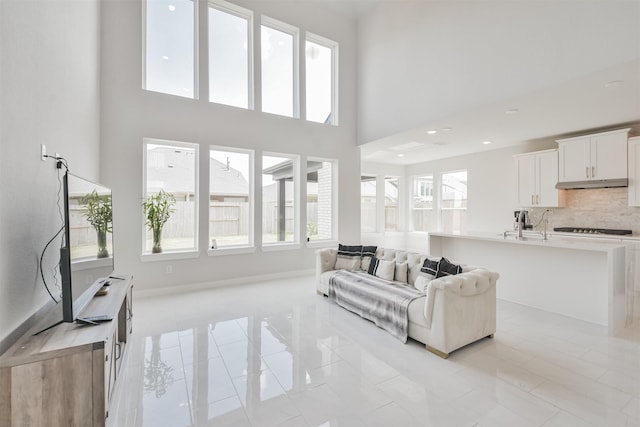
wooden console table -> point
(66, 375)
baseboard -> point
(168, 290)
(36, 317)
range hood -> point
(594, 183)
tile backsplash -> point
(592, 208)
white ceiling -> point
(541, 78)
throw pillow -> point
(402, 272)
(386, 269)
(430, 266)
(348, 257)
(368, 252)
(373, 265)
(421, 283)
(447, 268)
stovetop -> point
(585, 230)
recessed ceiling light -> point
(171, 7)
(487, 142)
(165, 57)
(432, 131)
(400, 155)
(447, 129)
(614, 83)
(512, 111)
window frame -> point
(441, 207)
(335, 50)
(334, 201)
(196, 52)
(414, 181)
(194, 251)
(240, 12)
(295, 243)
(274, 24)
(250, 246)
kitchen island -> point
(583, 278)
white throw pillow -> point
(386, 269)
(422, 282)
(402, 269)
(347, 262)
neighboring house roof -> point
(171, 169)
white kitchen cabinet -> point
(593, 157)
(536, 177)
(634, 171)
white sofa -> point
(455, 310)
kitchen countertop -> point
(554, 239)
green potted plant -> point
(158, 209)
(97, 210)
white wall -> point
(49, 94)
(424, 60)
(129, 114)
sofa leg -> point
(321, 294)
(438, 352)
(490, 336)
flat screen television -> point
(86, 256)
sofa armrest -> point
(469, 284)
(325, 261)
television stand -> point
(68, 373)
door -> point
(574, 160)
(547, 172)
(525, 186)
(609, 156)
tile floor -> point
(276, 353)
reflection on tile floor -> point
(276, 353)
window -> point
(279, 205)
(320, 65)
(230, 55)
(320, 199)
(170, 47)
(391, 193)
(454, 202)
(368, 204)
(230, 197)
(173, 167)
(279, 68)
(422, 203)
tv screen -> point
(87, 254)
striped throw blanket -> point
(384, 303)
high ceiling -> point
(506, 71)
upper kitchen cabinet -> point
(634, 171)
(536, 179)
(596, 157)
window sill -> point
(274, 247)
(315, 244)
(236, 250)
(164, 256)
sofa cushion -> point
(384, 269)
(402, 272)
(349, 257)
(430, 266)
(368, 252)
(447, 268)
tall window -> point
(170, 47)
(279, 218)
(320, 199)
(173, 167)
(391, 194)
(230, 197)
(230, 55)
(279, 68)
(368, 204)
(422, 202)
(320, 64)
(453, 207)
